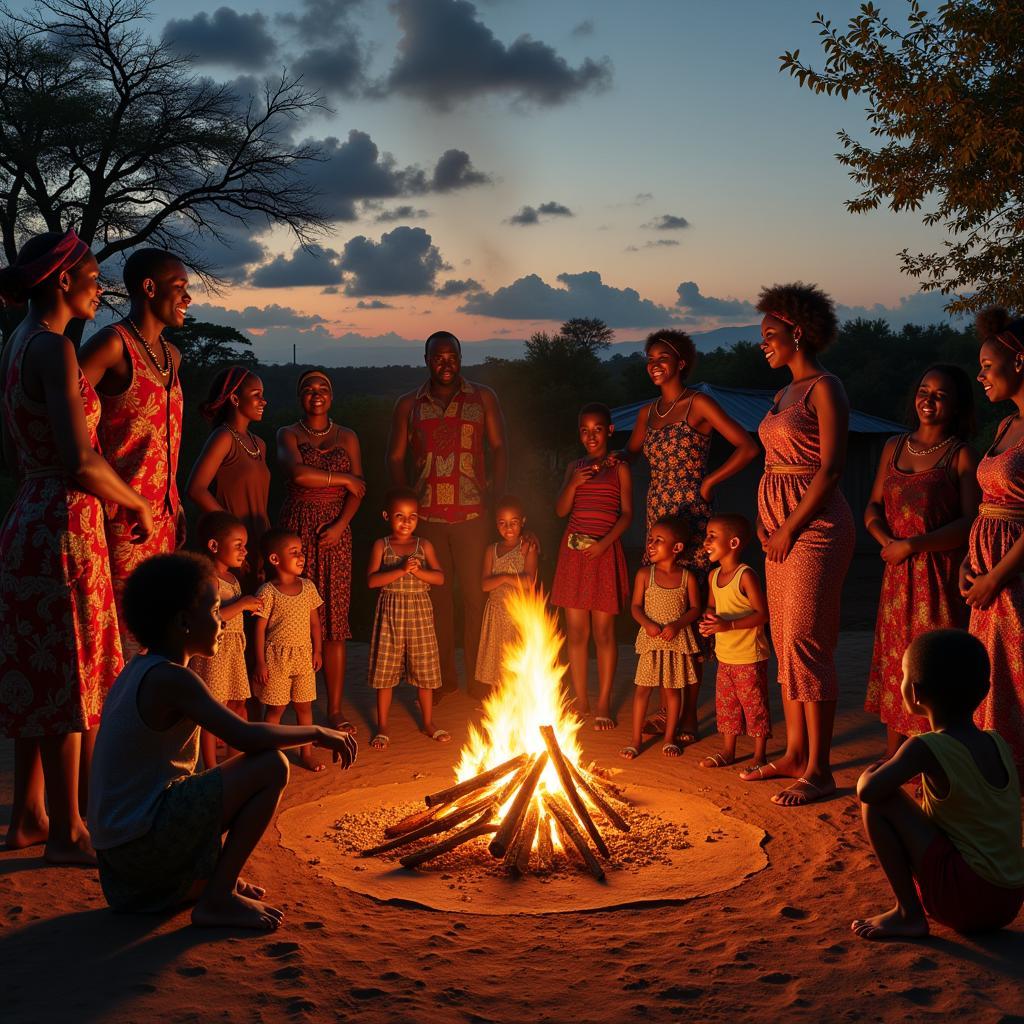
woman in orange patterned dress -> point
(992, 575)
(59, 645)
(806, 529)
(923, 502)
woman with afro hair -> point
(991, 579)
(806, 529)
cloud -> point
(257, 317)
(373, 304)
(447, 55)
(404, 262)
(920, 308)
(668, 222)
(401, 213)
(658, 243)
(584, 28)
(700, 306)
(531, 215)
(336, 69)
(312, 266)
(229, 253)
(225, 37)
(454, 170)
(459, 287)
(319, 19)
(531, 298)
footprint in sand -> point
(289, 973)
(681, 993)
(367, 992)
(279, 950)
(776, 978)
(794, 913)
(312, 925)
(919, 995)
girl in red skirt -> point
(590, 580)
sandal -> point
(807, 795)
(671, 750)
(441, 736)
(655, 724)
(380, 741)
(715, 761)
(629, 753)
(759, 770)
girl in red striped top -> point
(590, 581)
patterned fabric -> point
(667, 663)
(589, 584)
(59, 646)
(288, 648)
(498, 629)
(305, 510)
(803, 590)
(156, 871)
(741, 700)
(140, 436)
(448, 448)
(736, 646)
(225, 673)
(403, 641)
(1000, 627)
(678, 457)
(922, 592)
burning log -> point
(598, 800)
(517, 860)
(505, 834)
(545, 847)
(433, 828)
(412, 821)
(474, 830)
(446, 796)
(562, 814)
(565, 777)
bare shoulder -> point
(347, 437)
(405, 403)
(966, 459)
(106, 345)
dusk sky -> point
(495, 168)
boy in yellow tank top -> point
(957, 858)
(735, 617)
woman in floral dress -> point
(59, 645)
(325, 487)
(922, 505)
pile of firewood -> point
(523, 838)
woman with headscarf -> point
(325, 486)
(59, 646)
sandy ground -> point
(777, 947)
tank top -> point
(736, 646)
(982, 821)
(133, 764)
(597, 502)
(407, 584)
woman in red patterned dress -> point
(923, 502)
(59, 645)
(992, 575)
(325, 487)
(806, 529)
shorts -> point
(290, 677)
(741, 699)
(955, 895)
(157, 870)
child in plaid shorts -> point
(735, 617)
(404, 567)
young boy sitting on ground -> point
(957, 858)
(156, 824)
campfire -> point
(519, 778)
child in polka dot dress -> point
(288, 639)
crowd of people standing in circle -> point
(92, 437)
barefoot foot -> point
(77, 852)
(27, 832)
(237, 911)
(310, 763)
(253, 891)
(894, 924)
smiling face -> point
(595, 430)
(167, 293)
(230, 549)
(203, 623)
(510, 522)
(444, 361)
(778, 341)
(403, 515)
(82, 289)
(315, 395)
(662, 545)
(1002, 372)
(719, 541)
(248, 399)
(663, 364)
(288, 557)
(935, 400)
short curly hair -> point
(680, 343)
(805, 306)
(160, 588)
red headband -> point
(20, 278)
(782, 316)
(232, 382)
(1011, 341)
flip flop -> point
(380, 741)
(441, 736)
(816, 793)
(603, 724)
(655, 725)
(760, 770)
(671, 750)
(715, 761)
(629, 753)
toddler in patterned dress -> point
(404, 642)
(505, 564)
(666, 603)
(287, 638)
(737, 612)
(224, 539)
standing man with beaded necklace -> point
(135, 371)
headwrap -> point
(17, 280)
(232, 382)
(782, 316)
(306, 374)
